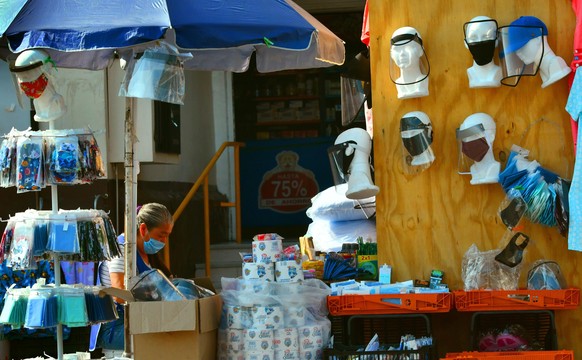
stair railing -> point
(203, 179)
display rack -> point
(55, 256)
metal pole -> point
(130, 205)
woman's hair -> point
(154, 215)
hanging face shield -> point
(522, 48)
(409, 67)
(417, 135)
(32, 77)
(350, 163)
(481, 39)
(156, 74)
(356, 88)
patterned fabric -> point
(575, 200)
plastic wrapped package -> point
(157, 74)
(63, 160)
(91, 160)
(8, 161)
(29, 160)
(7, 237)
(276, 320)
(481, 271)
(153, 285)
(21, 255)
(63, 237)
(545, 275)
(329, 236)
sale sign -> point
(288, 187)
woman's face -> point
(160, 233)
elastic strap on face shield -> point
(478, 129)
(403, 39)
(16, 69)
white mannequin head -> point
(481, 40)
(536, 50)
(407, 54)
(485, 168)
(417, 139)
(360, 185)
(32, 69)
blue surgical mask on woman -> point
(152, 246)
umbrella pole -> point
(130, 215)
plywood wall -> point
(429, 220)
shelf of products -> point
(287, 104)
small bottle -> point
(385, 274)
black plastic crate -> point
(361, 328)
(352, 353)
(539, 326)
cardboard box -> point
(174, 329)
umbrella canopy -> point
(220, 34)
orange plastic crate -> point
(512, 355)
(389, 304)
(493, 300)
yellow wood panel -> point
(427, 221)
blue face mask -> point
(152, 246)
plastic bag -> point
(158, 74)
(545, 275)
(29, 159)
(153, 285)
(480, 270)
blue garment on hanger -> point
(575, 202)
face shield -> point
(356, 88)
(31, 78)
(473, 147)
(416, 138)
(521, 52)
(408, 61)
(156, 74)
(350, 163)
(481, 40)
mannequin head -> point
(478, 147)
(528, 38)
(481, 40)
(409, 67)
(33, 69)
(416, 134)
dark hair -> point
(154, 215)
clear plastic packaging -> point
(8, 161)
(545, 275)
(153, 285)
(481, 271)
(30, 166)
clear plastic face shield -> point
(156, 74)
(408, 61)
(417, 136)
(356, 88)
(473, 146)
(350, 163)
(481, 40)
(521, 52)
(31, 78)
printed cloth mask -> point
(475, 149)
(34, 89)
(152, 246)
(416, 144)
(482, 51)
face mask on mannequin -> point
(34, 89)
(152, 246)
(475, 149)
(416, 144)
(482, 51)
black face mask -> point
(482, 51)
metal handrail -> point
(203, 178)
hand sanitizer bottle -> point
(385, 274)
